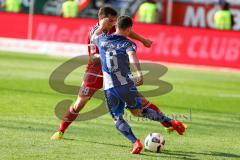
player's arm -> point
(136, 65)
(102, 26)
(146, 42)
(94, 57)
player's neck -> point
(118, 32)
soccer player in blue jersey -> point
(93, 80)
(116, 53)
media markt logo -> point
(152, 74)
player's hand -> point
(147, 43)
(139, 79)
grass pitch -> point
(209, 101)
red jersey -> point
(94, 67)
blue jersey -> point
(115, 62)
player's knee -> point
(117, 119)
(136, 112)
(80, 103)
(144, 101)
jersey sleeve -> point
(92, 45)
(95, 39)
(132, 47)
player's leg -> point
(170, 124)
(85, 94)
(72, 112)
(148, 104)
(123, 127)
(69, 117)
(134, 100)
(116, 109)
(91, 84)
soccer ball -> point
(154, 142)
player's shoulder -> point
(96, 39)
(125, 41)
(122, 38)
(130, 45)
(103, 36)
(130, 42)
(93, 29)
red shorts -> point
(92, 82)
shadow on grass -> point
(180, 155)
(108, 144)
(210, 153)
(144, 153)
(95, 142)
(171, 156)
(226, 155)
(44, 127)
(25, 125)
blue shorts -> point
(119, 97)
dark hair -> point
(151, 1)
(123, 22)
(107, 12)
(225, 6)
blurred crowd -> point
(11, 5)
(89, 8)
(145, 11)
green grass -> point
(27, 118)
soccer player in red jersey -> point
(93, 79)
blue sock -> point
(155, 116)
(126, 130)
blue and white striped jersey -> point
(115, 62)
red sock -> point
(69, 117)
(155, 108)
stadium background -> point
(203, 67)
(172, 43)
